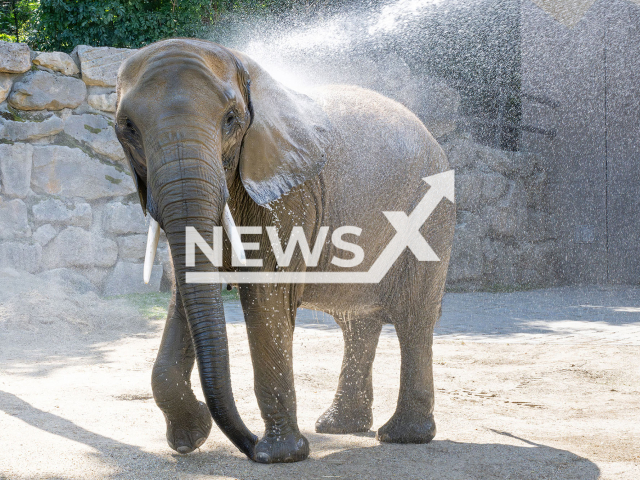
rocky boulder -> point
(20, 256)
(96, 132)
(132, 247)
(438, 106)
(15, 167)
(14, 222)
(477, 189)
(121, 219)
(103, 101)
(69, 172)
(5, 86)
(68, 279)
(100, 65)
(27, 131)
(127, 277)
(55, 211)
(44, 234)
(507, 217)
(41, 90)
(76, 247)
(14, 57)
(58, 61)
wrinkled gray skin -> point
(203, 125)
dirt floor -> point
(75, 399)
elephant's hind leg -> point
(188, 420)
(413, 420)
(350, 411)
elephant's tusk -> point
(152, 245)
(234, 237)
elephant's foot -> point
(292, 447)
(339, 419)
(408, 428)
(188, 429)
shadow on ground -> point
(443, 459)
(574, 314)
(609, 314)
(40, 353)
(565, 315)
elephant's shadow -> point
(442, 459)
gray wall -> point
(590, 66)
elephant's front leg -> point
(188, 420)
(270, 315)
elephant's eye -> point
(128, 128)
(229, 119)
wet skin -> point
(198, 135)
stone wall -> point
(68, 204)
(504, 233)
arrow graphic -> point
(407, 236)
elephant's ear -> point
(285, 144)
(133, 151)
(140, 184)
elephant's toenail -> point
(184, 449)
(262, 457)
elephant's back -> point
(366, 114)
(363, 114)
(379, 153)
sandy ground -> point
(529, 385)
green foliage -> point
(15, 16)
(60, 25)
(230, 295)
(63, 24)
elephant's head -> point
(191, 115)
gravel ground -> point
(529, 385)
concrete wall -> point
(584, 57)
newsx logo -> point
(407, 236)
(283, 256)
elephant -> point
(213, 140)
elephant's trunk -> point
(188, 184)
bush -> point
(60, 25)
(14, 19)
(63, 24)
